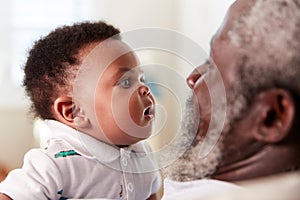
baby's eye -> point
(125, 83)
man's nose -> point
(192, 78)
(144, 90)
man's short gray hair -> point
(268, 38)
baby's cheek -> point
(135, 109)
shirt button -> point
(124, 161)
(130, 187)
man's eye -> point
(142, 79)
(125, 83)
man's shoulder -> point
(197, 189)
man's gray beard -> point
(190, 166)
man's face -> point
(190, 166)
(234, 138)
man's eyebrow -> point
(207, 61)
(211, 40)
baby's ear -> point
(69, 114)
(63, 109)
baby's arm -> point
(4, 197)
(39, 178)
(152, 197)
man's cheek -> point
(203, 127)
(204, 102)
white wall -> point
(16, 136)
(133, 14)
(200, 19)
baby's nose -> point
(144, 90)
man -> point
(257, 52)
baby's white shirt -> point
(67, 169)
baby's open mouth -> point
(149, 112)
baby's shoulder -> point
(60, 149)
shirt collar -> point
(88, 146)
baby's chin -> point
(132, 139)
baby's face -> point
(111, 93)
(124, 106)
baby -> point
(85, 83)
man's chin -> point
(191, 167)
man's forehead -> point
(241, 7)
(235, 12)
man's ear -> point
(69, 114)
(275, 111)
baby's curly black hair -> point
(53, 60)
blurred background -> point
(23, 22)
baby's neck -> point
(122, 146)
